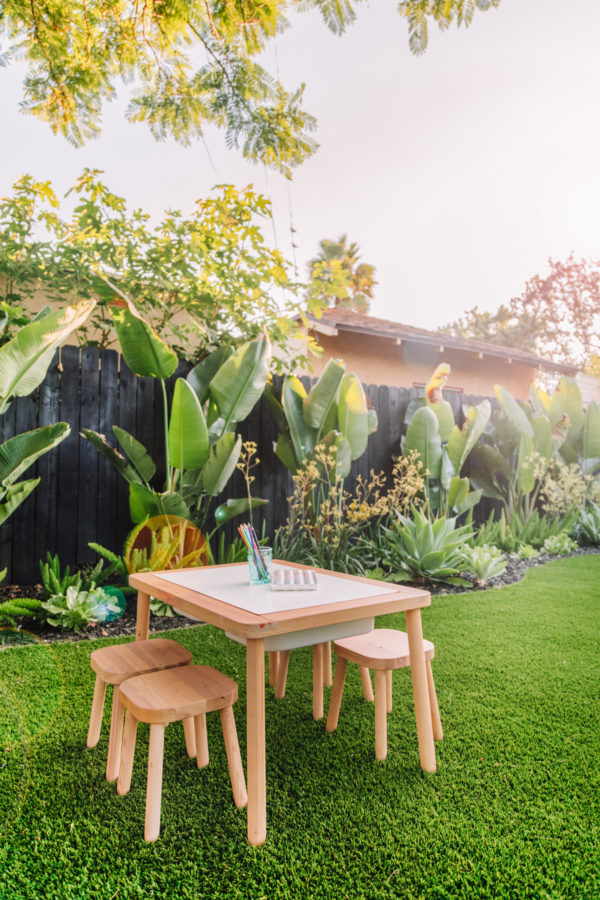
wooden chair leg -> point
(154, 783)
(96, 712)
(436, 722)
(202, 757)
(336, 694)
(127, 753)
(367, 687)
(190, 736)
(317, 682)
(282, 670)
(327, 667)
(114, 740)
(380, 714)
(388, 680)
(273, 667)
(234, 759)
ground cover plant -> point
(513, 810)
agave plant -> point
(418, 549)
(586, 530)
(201, 448)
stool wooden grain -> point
(383, 649)
(160, 698)
(114, 665)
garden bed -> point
(125, 625)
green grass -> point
(513, 812)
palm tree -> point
(337, 265)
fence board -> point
(23, 543)
(107, 476)
(87, 495)
(46, 494)
(68, 457)
(7, 430)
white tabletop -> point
(231, 585)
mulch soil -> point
(125, 625)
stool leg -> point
(367, 687)
(317, 682)
(234, 759)
(127, 753)
(327, 671)
(154, 783)
(336, 694)
(282, 670)
(190, 736)
(388, 689)
(273, 667)
(116, 733)
(202, 757)
(438, 734)
(380, 714)
(96, 712)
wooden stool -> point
(383, 650)
(163, 697)
(113, 665)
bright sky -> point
(458, 173)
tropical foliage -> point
(201, 447)
(201, 280)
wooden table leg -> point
(142, 622)
(318, 654)
(255, 729)
(418, 670)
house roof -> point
(335, 320)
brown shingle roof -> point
(347, 320)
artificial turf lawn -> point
(514, 810)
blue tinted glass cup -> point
(256, 576)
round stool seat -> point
(175, 694)
(383, 648)
(122, 661)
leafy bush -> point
(559, 545)
(586, 530)
(526, 551)
(418, 549)
(484, 562)
(55, 583)
(76, 608)
(509, 535)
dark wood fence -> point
(81, 498)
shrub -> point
(76, 608)
(559, 545)
(586, 530)
(484, 562)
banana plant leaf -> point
(188, 434)
(447, 470)
(525, 474)
(24, 360)
(462, 440)
(566, 401)
(372, 421)
(240, 381)
(276, 408)
(352, 415)
(540, 401)
(21, 451)
(140, 458)
(423, 435)
(232, 508)
(542, 441)
(322, 397)
(591, 431)
(220, 465)
(514, 411)
(493, 460)
(343, 457)
(145, 352)
(285, 452)
(14, 496)
(203, 373)
(115, 458)
(302, 436)
(144, 503)
(485, 484)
